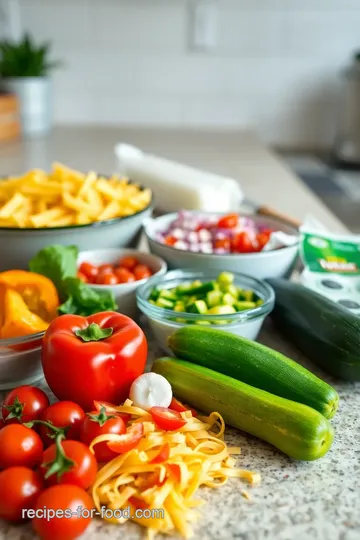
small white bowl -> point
(124, 293)
(262, 265)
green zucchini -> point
(326, 332)
(295, 429)
(254, 364)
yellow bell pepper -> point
(18, 320)
(28, 303)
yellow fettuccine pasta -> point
(198, 456)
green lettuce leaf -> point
(83, 300)
(56, 263)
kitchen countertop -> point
(239, 154)
(296, 500)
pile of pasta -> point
(198, 457)
(65, 197)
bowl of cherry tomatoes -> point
(120, 271)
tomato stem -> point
(56, 431)
(61, 463)
(16, 409)
(94, 332)
(102, 417)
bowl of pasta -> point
(67, 207)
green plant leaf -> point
(25, 58)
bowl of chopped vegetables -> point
(229, 301)
(254, 245)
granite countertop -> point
(296, 500)
(318, 500)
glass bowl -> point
(164, 322)
(20, 360)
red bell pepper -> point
(93, 358)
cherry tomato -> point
(105, 278)
(176, 405)
(2, 423)
(141, 271)
(167, 419)
(62, 414)
(228, 222)
(24, 404)
(222, 243)
(73, 523)
(170, 240)
(111, 409)
(83, 278)
(19, 445)
(89, 270)
(128, 440)
(102, 423)
(242, 243)
(82, 472)
(105, 269)
(124, 275)
(128, 262)
(162, 455)
(19, 489)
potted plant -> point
(24, 70)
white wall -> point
(276, 66)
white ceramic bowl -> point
(125, 293)
(163, 322)
(267, 264)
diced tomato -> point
(110, 409)
(89, 270)
(176, 405)
(83, 277)
(170, 240)
(174, 470)
(142, 271)
(138, 503)
(222, 243)
(162, 455)
(128, 440)
(263, 238)
(167, 419)
(124, 275)
(242, 243)
(128, 262)
(228, 222)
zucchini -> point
(254, 364)
(295, 429)
(327, 333)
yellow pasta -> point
(65, 197)
(197, 456)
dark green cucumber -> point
(254, 364)
(326, 332)
(295, 429)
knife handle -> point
(270, 212)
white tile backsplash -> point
(276, 65)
